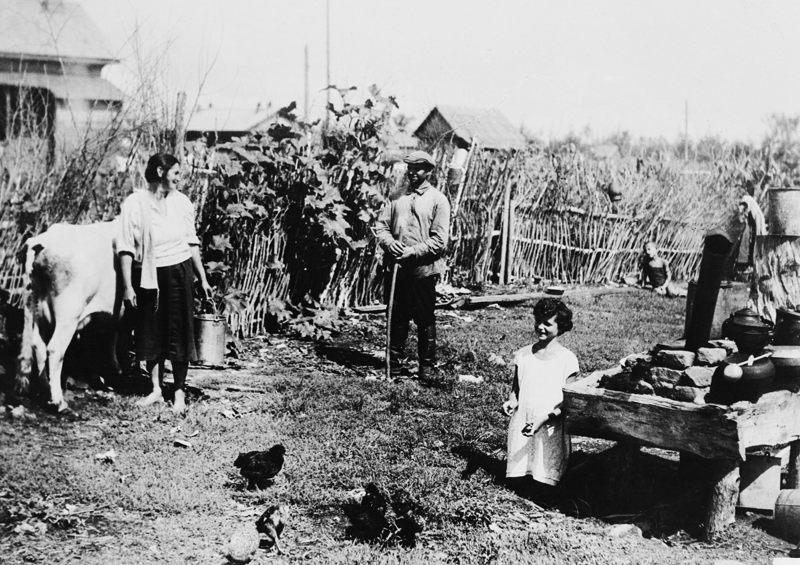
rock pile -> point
(672, 373)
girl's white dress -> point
(543, 456)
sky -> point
(554, 67)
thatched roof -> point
(49, 29)
(490, 128)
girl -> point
(537, 443)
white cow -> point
(73, 272)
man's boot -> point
(427, 352)
(397, 347)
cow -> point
(74, 279)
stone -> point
(697, 376)
(726, 344)
(670, 345)
(636, 358)
(684, 394)
(675, 359)
(711, 355)
(662, 376)
(623, 531)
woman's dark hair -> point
(163, 160)
(546, 308)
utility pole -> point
(305, 101)
(327, 59)
(686, 132)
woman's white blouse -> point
(173, 230)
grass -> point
(158, 503)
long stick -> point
(389, 319)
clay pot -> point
(787, 327)
(786, 359)
(760, 370)
(757, 379)
(750, 331)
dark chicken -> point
(388, 520)
(260, 467)
(271, 524)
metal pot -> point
(787, 327)
(750, 331)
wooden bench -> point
(721, 435)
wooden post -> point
(793, 478)
(623, 466)
(722, 498)
(505, 233)
(511, 239)
(180, 108)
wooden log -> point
(705, 430)
(620, 496)
(793, 478)
(722, 498)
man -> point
(413, 233)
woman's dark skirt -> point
(166, 332)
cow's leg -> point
(39, 348)
(156, 369)
(56, 348)
(25, 359)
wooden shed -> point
(461, 126)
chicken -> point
(409, 520)
(385, 519)
(271, 524)
(243, 544)
(260, 467)
(368, 519)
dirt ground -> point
(64, 498)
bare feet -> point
(179, 404)
(151, 398)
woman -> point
(158, 247)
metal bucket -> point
(784, 211)
(209, 338)
(787, 515)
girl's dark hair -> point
(546, 308)
(163, 160)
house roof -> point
(50, 29)
(490, 128)
(66, 86)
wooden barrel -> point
(787, 515)
(784, 211)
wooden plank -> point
(466, 300)
(793, 478)
(709, 431)
(773, 420)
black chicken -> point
(385, 519)
(368, 519)
(260, 467)
(271, 524)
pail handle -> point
(213, 307)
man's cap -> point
(419, 158)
